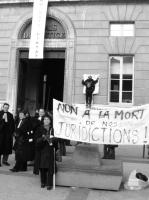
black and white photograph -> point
(74, 99)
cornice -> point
(8, 2)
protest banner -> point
(101, 124)
(38, 29)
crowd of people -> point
(32, 139)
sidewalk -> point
(26, 186)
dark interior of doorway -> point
(40, 81)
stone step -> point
(85, 169)
(88, 180)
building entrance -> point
(39, 81)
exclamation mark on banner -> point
(146, 134)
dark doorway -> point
(39, 81)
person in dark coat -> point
(7, 127)
(47, 145)
(61, 142)
(89, 83)
(109, 151)
(38, 118)
(37, 122)
(24, 144)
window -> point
(121, 29)
(121, 79)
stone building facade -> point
(109, 38)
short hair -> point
(48, 116)
(22, 111)
(6, 104)
(41, 108)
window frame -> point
(120, 103)
(122, 23)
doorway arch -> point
(68, 44)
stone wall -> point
(93, 45)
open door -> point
(39, 81)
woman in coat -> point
(24, 144)
(46, 145)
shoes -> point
(14, 170)
(6, 163)
(23, 170)
(49, 187)
(36, 173)
(43, 185)
(0, 164)
(17, 170)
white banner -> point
(101, 124)
(38, 29)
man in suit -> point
(7, 127)
(24, 144)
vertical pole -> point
(54, 172)
(44, 90)
(48, 99)
(143, 151)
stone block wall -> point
(93, 44)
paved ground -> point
(26, 186)
(20, 187)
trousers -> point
(46, 177)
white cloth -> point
(40, 118)
(19, 124)
(5, 117)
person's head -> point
(18, 108)
(27, 114)
(21, 114)
(5, 107)
(36, 111)
(47, 120)
(41, 112)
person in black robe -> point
(24, 144)
(89, 83)
(47, 146)
(7, 127)
(109, 151)
(37, 122)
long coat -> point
(45, 150)
(6, 133)
(24, 145)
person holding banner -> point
(47, 146)
(37, 122)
